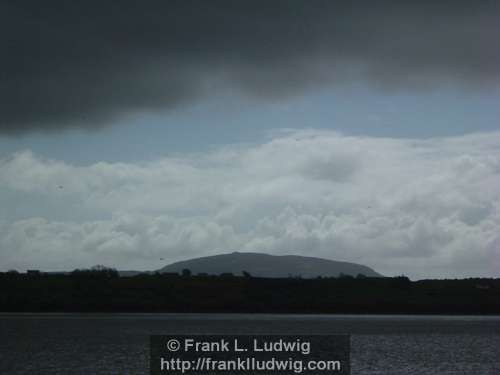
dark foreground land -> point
(106, 291)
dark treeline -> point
(103, 290)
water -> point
(119, 343)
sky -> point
(178, 129)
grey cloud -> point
(425, 208)
(338, 168)
(86, 63)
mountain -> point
(265, 265)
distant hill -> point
(265, 265)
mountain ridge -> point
(267, 265)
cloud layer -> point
(426, 208)
(84, 64)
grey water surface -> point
(119, 343)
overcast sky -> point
(136, 131)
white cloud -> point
(426, 208)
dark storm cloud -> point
(84, 63)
